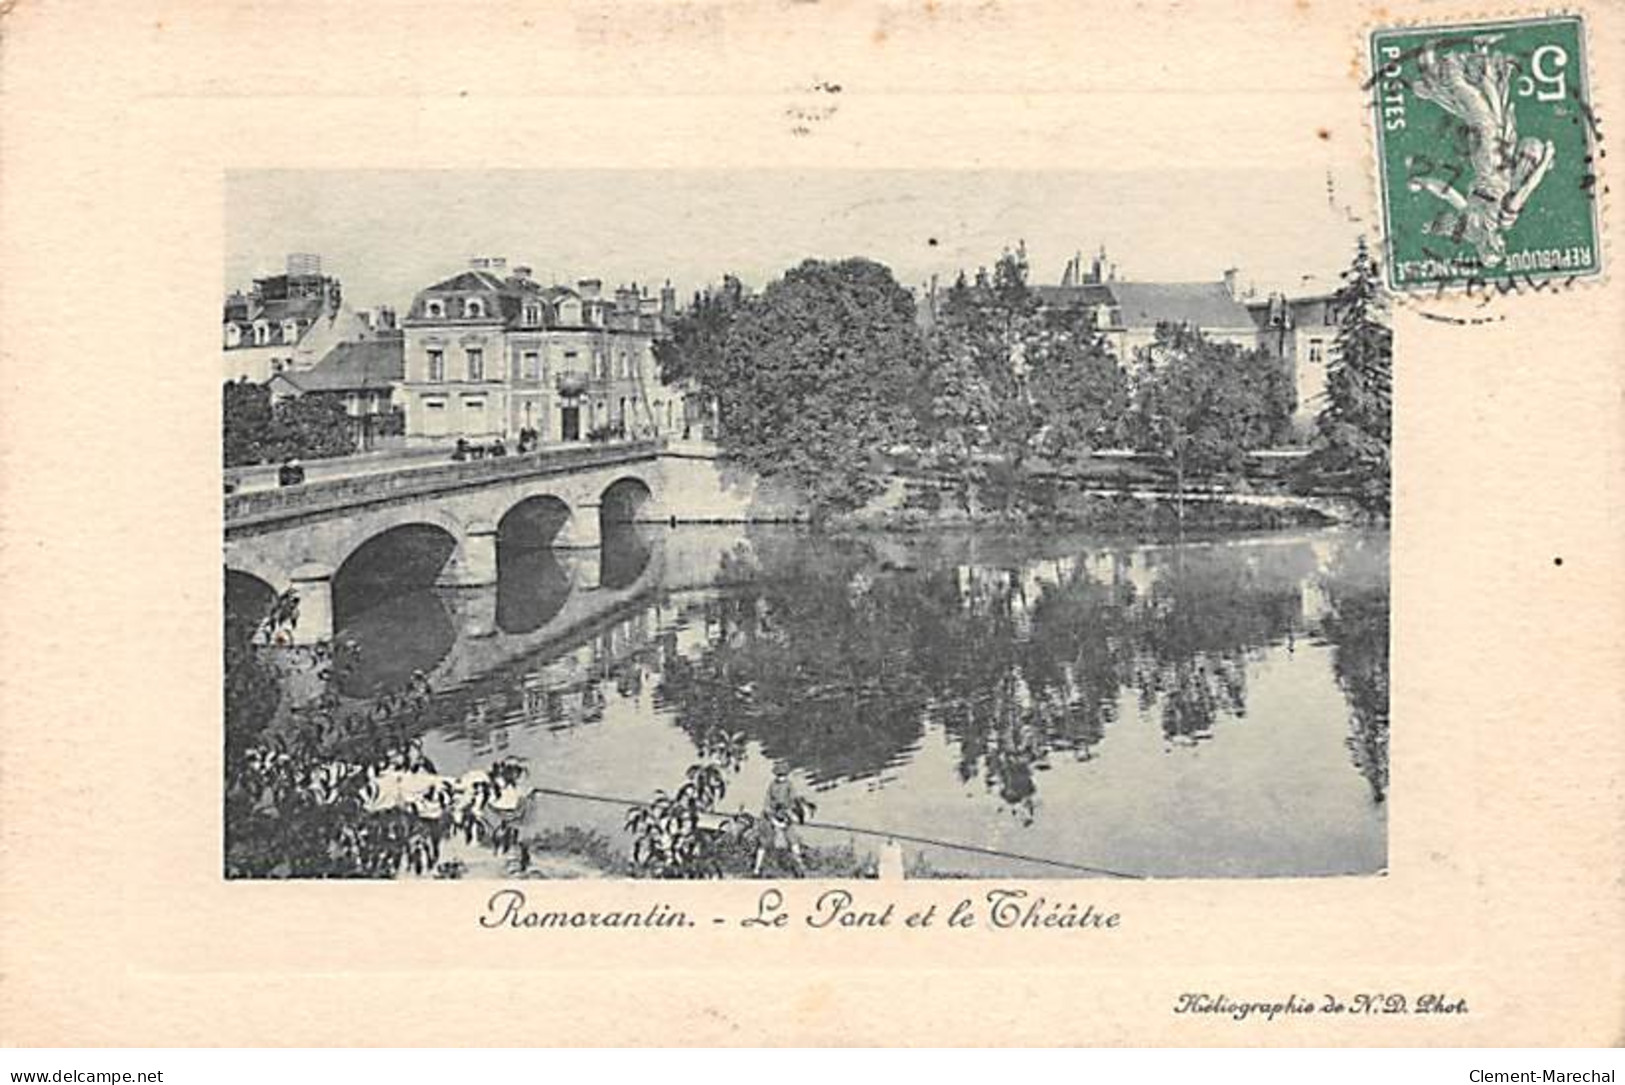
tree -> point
(692, 354)
(1011, 376)
(306, 427)
(1078, 391)
(1355, 428)
(311, 426)
(1204, 404)
(979, 400)
(245, 419)
(815, 375)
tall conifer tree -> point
(1356, 423)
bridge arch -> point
(398, 560)
(381, 522)
(248, 597)
(533, 521)
(625, 501)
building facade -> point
(1301, 331)
(363, 375)
(1297, 330)
(491, 353)
(286, 322)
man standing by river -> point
(780, 812)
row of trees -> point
(827, 368)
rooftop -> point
(354, 367)
(1199, 305)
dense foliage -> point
(809, 378)
(301, 785)
(1204, 404)
(1009, 377)
(678, 834)
(310, 426)
(826, 371)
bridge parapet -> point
(248, 510)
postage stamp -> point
(1487, 149)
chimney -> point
(590, 288)
(522, 273)
(668, 299)
(1230, 281)
(303, 264)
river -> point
(1209, 708)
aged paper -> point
(156, 157)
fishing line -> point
(878, 834)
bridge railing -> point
(334, 494)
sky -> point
(389, 234)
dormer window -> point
(262, 333)
(473, 309)
(290, 331)
(533, 313)
(570, 313)
(434, 309)
(234, 335)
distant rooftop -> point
(355, 367)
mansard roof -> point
(1199, 305)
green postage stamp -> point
(1488, 151)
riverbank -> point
(571, 852)
(1139, 513)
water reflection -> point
(1356, 625)
(625, 554)
(384, 644)
(532, 587)
(835, 666)
(1203, 708)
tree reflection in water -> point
(1356, 625)
(841, 659)
(836, 664)
(812, 661)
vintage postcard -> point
(800, 523)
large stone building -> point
(286, 322)
(1298, 330)
(490, 353)
(1128, 313)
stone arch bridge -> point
(299, 538)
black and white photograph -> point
(775, 524)
(811, 524)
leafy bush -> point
(675, 835)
